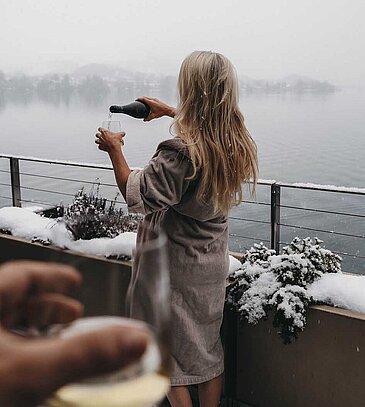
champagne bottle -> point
(136, 109)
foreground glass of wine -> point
(145, 382)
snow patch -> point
(121, 245)
(234, 265)
(28, 225)
(340, 290)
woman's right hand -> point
(158, 108)
(109, 141)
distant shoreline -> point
(97, 80)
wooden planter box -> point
(105, 281)
(324, 367)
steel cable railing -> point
(356, 215)
(332, 232)
(68, 179)
(276, 223)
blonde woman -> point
(187, 190)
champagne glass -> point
(145, 382)
(112, 125)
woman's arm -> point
(121, 170)
(111, 143)
(162, 183)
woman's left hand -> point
(109, 141)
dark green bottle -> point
(137, 109)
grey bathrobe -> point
(198, 258)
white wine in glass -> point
(145, 382)
(112, 125)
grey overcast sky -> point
(324, 39)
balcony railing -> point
(279, 212)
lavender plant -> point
(89, 216)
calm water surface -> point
(300, 137)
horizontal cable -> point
(324, 188)
(64, 193)
(39, 202)
(68, 179)
(5, 197)
(332, 232)
(45, 203)
(322, 211)
(358, 256)
(58, 162)
(48, 191)
(5, 185)
(333, 251)
(256, 203)
(6, 171)
(313, 187)
(249, 237)
(250, 220)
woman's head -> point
(207, 79)
(209, 121)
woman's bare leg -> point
(210, 392)
(179, 396)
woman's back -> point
(168, 197)
(198, 257)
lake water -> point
(300, 137)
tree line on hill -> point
(96, 84)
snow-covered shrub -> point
(268, 281)
(290, 304)
(321, 259)
(255, 261)
(89, 217)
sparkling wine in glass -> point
(143, 383)
(112, 125)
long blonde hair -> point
(211, 124)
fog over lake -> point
(302, 136)
(307, 134)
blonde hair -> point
(211, 124)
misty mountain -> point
(290, 83)
(107, 72)
(293, 79)
(93, 80)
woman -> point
(187, 189)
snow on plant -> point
(89, 217)
(89, 225)
(255, 296)
(268, 281)
(322, 260)
(290, 303)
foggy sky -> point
(324, 39)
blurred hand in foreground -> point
(34, 294)
(158, 108)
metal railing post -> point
(275, 217)
(15, 182)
